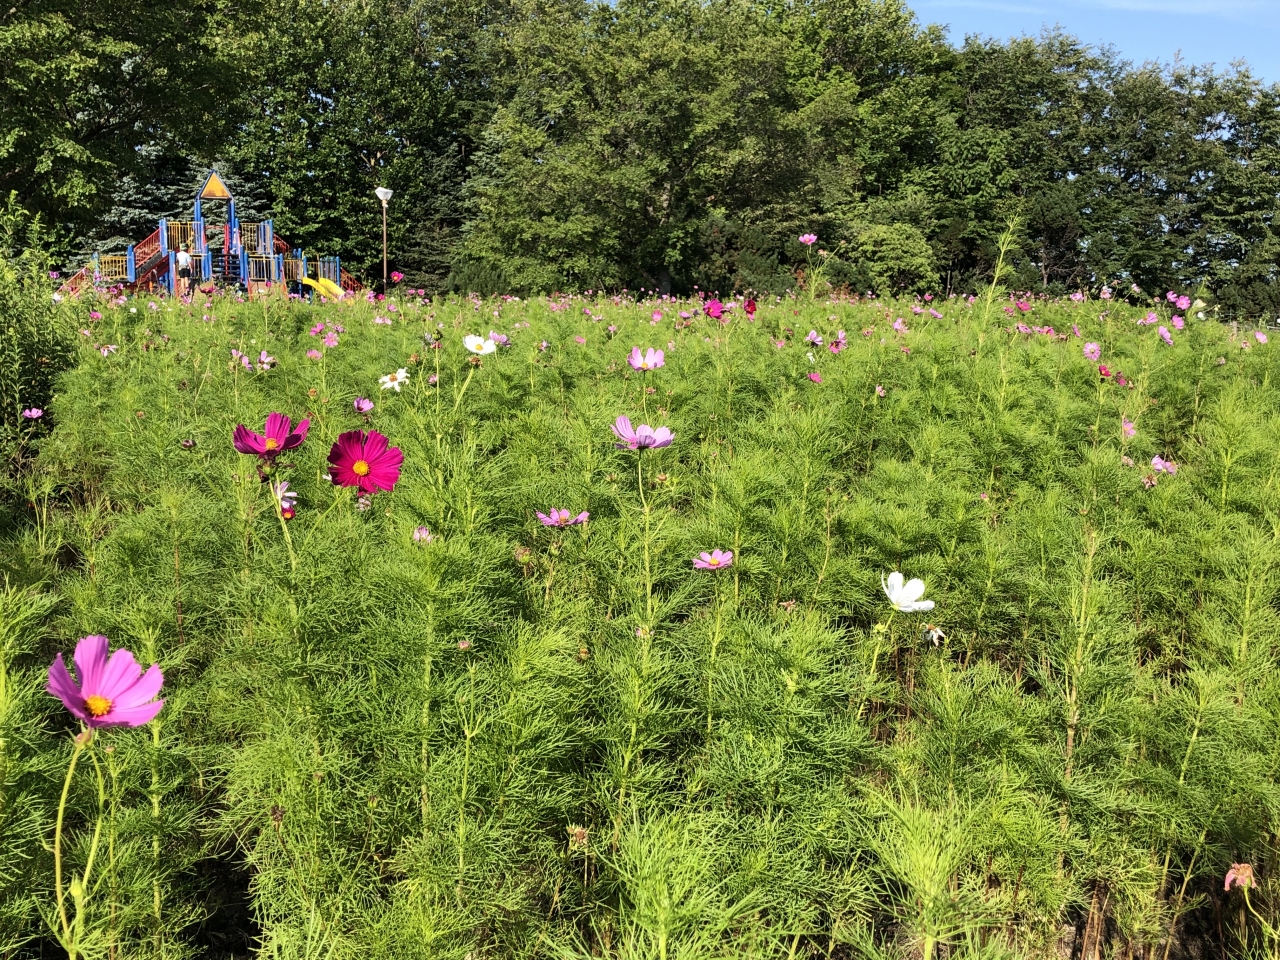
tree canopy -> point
(665, 144)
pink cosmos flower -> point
(330, 340)
(651, 359)
(34, 413)
(880, 390)
(1150, 318)
(107, 350)
(579, 340)
(715, 560)
(815, 376)
(839, 343)
(111, 691)
(935, 314)
(1259, 336)
(814, 338)
(276, 439)
(1165, 335)
(713, 309)
(317, 329)
(749, 307)
(561, 518)
(1104, 371)
(640, 437)
(1023, 305)
(1075, 329)
(1183, 303)
(396, 276)
(1161, 465)
(363, 460)
(314, 354)
(501, 339)
(1240, 875)
(1128, 427)
(383, 321)
(808, 239)
(1092, 351)
(94, 315)
(1178, 322)
(899, 326)
(363, 405)
(1077, 297)
(1105, 294)
(656, 315)
(422, 535)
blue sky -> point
(1204, 31)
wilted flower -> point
(1240, 875)
(363, 405)
(279, 435)
(715, 560)
(905, 597)
(640, 437)
(651, 359)
(561, 518)
(111, 692)
(394, 381)
(107, 350)
(1092, 351)
(285, 497)
(363, 460)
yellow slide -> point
(326, 287)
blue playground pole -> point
(131, 265)
(164, 235)
(172, 277)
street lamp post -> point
(384, 195)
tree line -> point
(536, 145)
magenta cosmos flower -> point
(641, 436)
(277, 439)
(713, 309)
(561, 518)
(364, 460)
(715, 560)
(111, 692)
(651, 359)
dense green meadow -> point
(495, 738)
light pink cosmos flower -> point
(1161, 465)
(1106, 293)
(641, 437)
(363, 405)
(561, 518)
(880, 390)
(1165, 335)
(1183, 303)
(1259, 336)
(111, 691)
(656, 315)
(1240, 875)
(651, 359)
(501, 339)
(422, 535)
(899, 326)
(317, 329)
(330, 340)
(1075, 328)
(1092, 351)
(1178, 322)
(314, 354)
(1128, 427)
(808, 239)
(1150, 318)
(579, 340)
(839, 343)
(715, 560)
(33, 413)
(107, 350)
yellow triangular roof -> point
(214, 188)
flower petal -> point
(64, 688)
(143, 690)
(130, 716)
(91, 659)
(121, 672)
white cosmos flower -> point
(905, 596)
(394, 381)
(480, 345)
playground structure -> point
(234, 253)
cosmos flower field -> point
(647, 628)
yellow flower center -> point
(98, 706)
(272, 443)
(713, 562)
(360, 468)
(391, 378)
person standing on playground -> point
(184, 270)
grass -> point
(520, 741)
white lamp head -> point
(383, 194)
